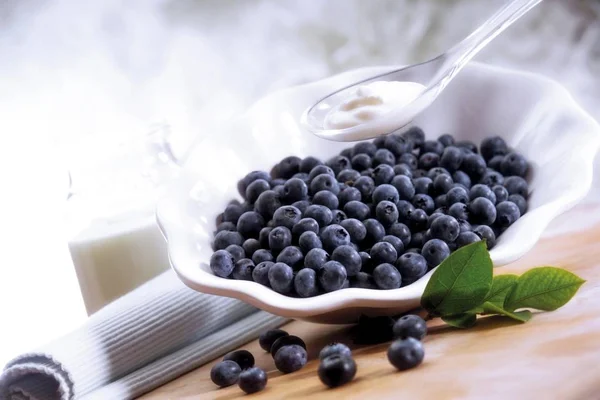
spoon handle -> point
(460, 54)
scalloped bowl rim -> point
(269, 300)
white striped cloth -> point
(148, 337)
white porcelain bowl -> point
(535, 115)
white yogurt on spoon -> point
(371, 102)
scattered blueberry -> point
(290, 358)
(243, 358)
(225, 373)
(286, 340)
(338, 349)
(252, 380)
(406, 353)
(410, 325)
(336, 370)
(266, 339)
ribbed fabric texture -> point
(142, 340)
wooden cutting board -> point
(554, 356)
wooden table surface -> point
(554, 356)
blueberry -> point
(288, 340)
(319, 213)
(433, 217)
(365, 186)
(243, 358)
(336, 370)
(411, 267)
(349, 194)
(516, 185)
(446, 139)
(332, 276)
(514, 164)
(519, 201)
(426, 236)
(250, 224)
(252, 380)
(278, 190)
(375, 231)
(414, 250)
(429, 160)
(327, 199)
(291, 358)
(308, 163)
(433, 146)
(305, 225)
(459, 211)
(305, 283)
(462, 178)
(501, 193)
(437, 171)
(424, 202)
(474, 165)
(465, 238)
(260, 273)
(382, 174)
(401, 231)
(243, 269)
(266, 339)
(225, 373)
(440, 201)
(232, 213)
(419, 173)
(485, 232)
(386, 213)
(335, 349)
(495, 162)
(480, 190)
(396, 144)
(338, 163)
(464, 225)
(281, 277)
(291, 256)
(410, 160)
(250, 246)
(324, 182)
(445, 228)
(363, 280)
(348, 176)
(267, 203)
(402, 169)
(482, 211)
(415, 135)
(507, 213)
(349, 258)
(294, 190)
(361, 162)
(383, 252)
(385, 192)
(442, 184)
(423, 185)
(457, 195)
(435, 251)
(262, 255)
(364, 148)
(255, 189)
(277, 182)
(347, 152)
(410, 325)
(251, 177)
(333, 236)
(279, 238)
(315, 258)
(406, 353)
(224, 239)
(387, 277)
(492, 178)
(301, 205)
(236, 251)
(467, 146)
(222, 263)
(308, 241)
(319, 170)
(225, 226)
(396, 242)
(417, 220)
(405, 208)
(287, 167)
(384, 156)
(452, 158)
(404, 186)
(493, 146)
(358, 210)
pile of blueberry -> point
(377, 216)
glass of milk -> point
(114, 241)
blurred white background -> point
(83, 81)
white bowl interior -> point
(536, 116)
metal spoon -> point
(434, 74)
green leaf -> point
(521, 316)
(543, 288)
(460, 283)
(462, 321)
(500, 288)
